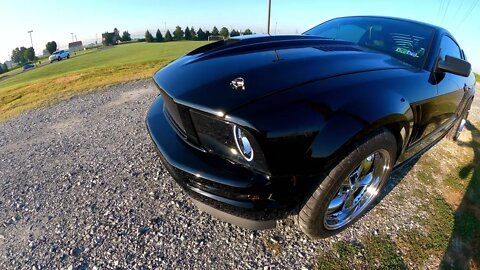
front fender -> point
(361, 116)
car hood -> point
(267, 64)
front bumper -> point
(225, 190)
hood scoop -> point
(264, 43)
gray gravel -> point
(82, 187)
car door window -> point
(449, 47)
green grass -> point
(371, 252)
(13, 71)
(477, 77)
(61, 80)
(451, 231)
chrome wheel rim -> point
(461, 126)
(358, 190)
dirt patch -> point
(453, 197)
(127, 97)
(68, 78)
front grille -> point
(174, 114)
(180, 119)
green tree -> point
(148, 36)
(1, 69)
(107, 38)
(30, 54)
(207, 34)
(18, 55)
(214, 31)
(51, 46)
(158, 36)
(4, 67)
(193, 32)
(188, 34)
(116, 34)
(178, 33)
(224, 32)
(234, 33)
(201, 35)
(168, 36)
(125, 36)
(247, 32)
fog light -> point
(243, 144)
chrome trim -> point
(244, 141)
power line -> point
(440, 8)
(446, 10)
(459, 7)
(469, 11)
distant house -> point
(109, 38)
(9, 63)
(75, 46)
(46, 52)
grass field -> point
(61, 80)
(477, 77)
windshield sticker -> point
(408, 52)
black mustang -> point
(257, 128)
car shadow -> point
(463, 250)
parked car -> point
(27, 66)
(59, 55)
(258, 128)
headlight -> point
(228, 140)
(243, 144)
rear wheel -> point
(344, 195)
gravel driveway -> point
(81, 187)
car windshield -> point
(407, 41)
(57, 52)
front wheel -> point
(345, 193)
(68, 56)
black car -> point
(259, 128)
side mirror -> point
(455, 66)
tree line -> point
(178, 34)
(24, 55)
(191, 34)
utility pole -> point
(31, 40)
(72, 36)
(268, 22)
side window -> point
(449, 47)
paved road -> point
(81, 186)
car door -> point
(438, 112)
(451, 87)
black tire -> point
(312, 215)
(68, 56)
(453, 133)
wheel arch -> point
(348, 126)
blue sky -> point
(55, 20)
